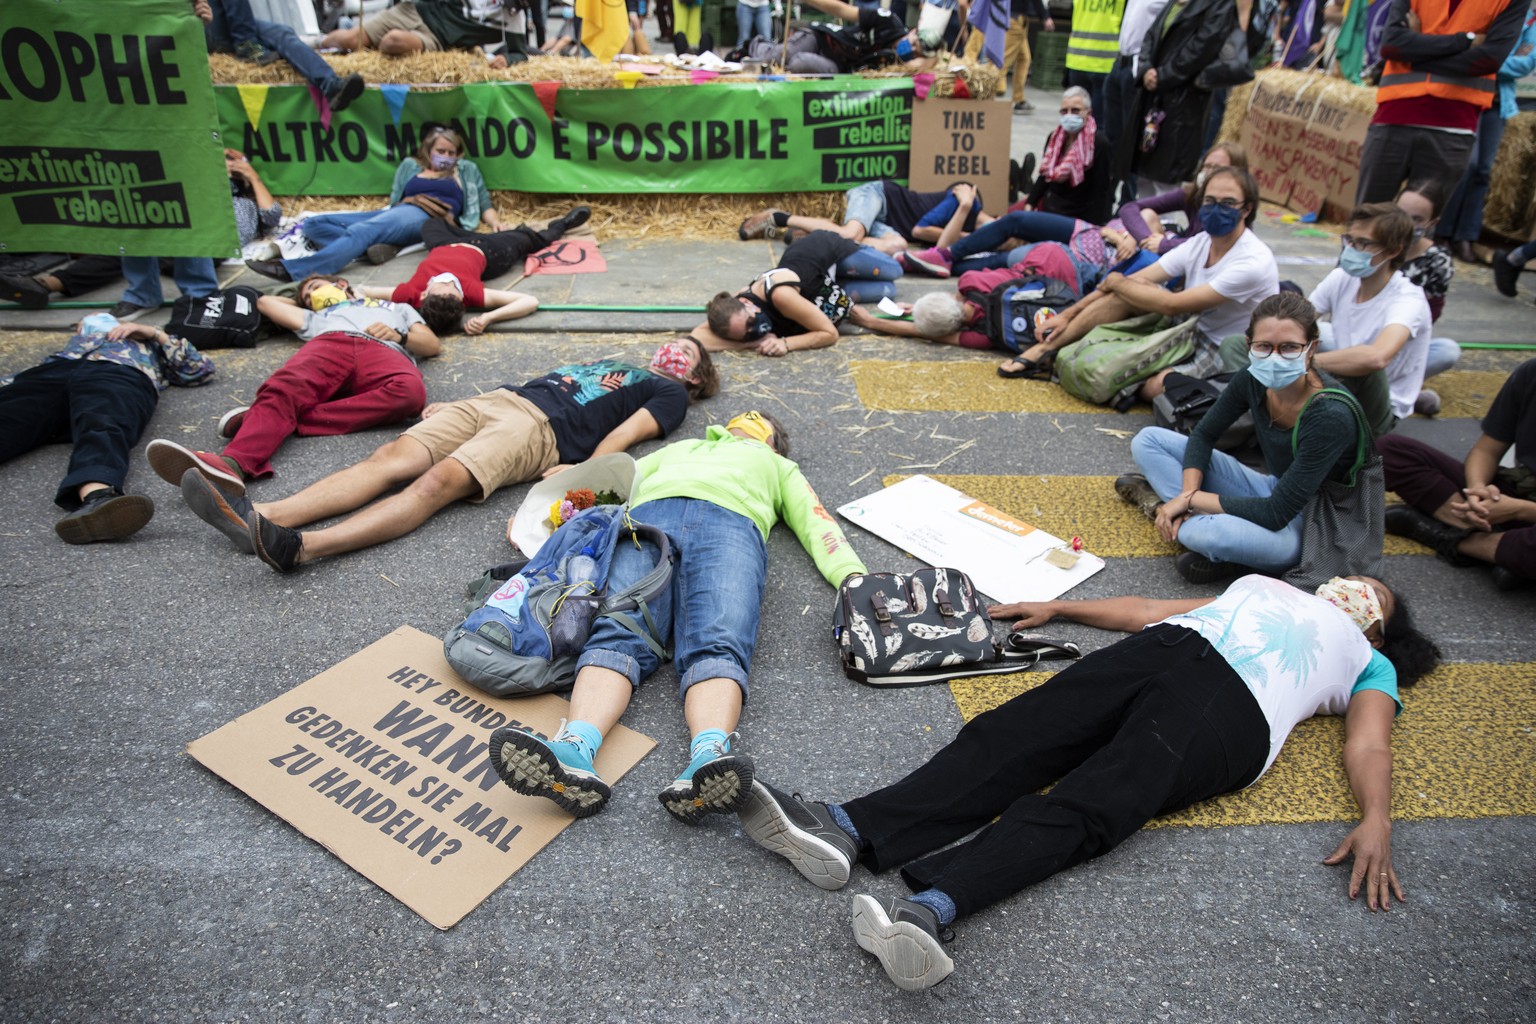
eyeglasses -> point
(1369, 246)
(1287, 349)
(1229, 204)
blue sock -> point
(845, 823)
(706, 746)
(584, 735)
(939, 903)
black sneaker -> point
(125, 310)
(24, 291)
(1505, 273)
(278, 546)
(106, 514)
(269, 268)
(1196, 568)
(1134, 490)
(906, 937)
(381, 252)
(802, 833)
(225, 511)
(1441, 538)
(340, 92)
(715, 781)
(253, 52)
(573, 219)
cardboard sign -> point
(1008, 560)
(1304, 150)
(383, 760)
(962, 140)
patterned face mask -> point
(754, 426)
(325, 295)
(1354, 598)
(758, 323)
(674, 360)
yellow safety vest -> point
(1095, 41)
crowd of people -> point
(1197, 703)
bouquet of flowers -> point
(577, 500)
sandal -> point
(1031, 369)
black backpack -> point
(1185, 400)
(224, 319)
(1009, 309)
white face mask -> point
(1354, 598)
(449, 278)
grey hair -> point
(1077, 90)
(938, 314)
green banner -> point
(739, 137)
(110, 143)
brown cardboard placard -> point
(962, 140)
(383, 760)
(1305, 151)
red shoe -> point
(229, 423)
(170, 461)
(935, 262)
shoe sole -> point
(379, 255)
(1140, 496)
(207, 502)
(229, 423)
(928, 267)
(721, 785)
(115, 519)
(756, 227)
(26, 298)
(253, 534)
(531, 768)
(912, 958)
(765, 822)
(351, 89)
(170, 461)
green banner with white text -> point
(110, 141)
(769, 136)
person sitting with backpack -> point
(1232, 519)
(716, 499)
(452, 277)
(462, 450)
(356, 370)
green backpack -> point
(1111, 361)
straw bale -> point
(1511, 206)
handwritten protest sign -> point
(1304, 147)
(383, 760)
(962, 140)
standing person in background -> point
(1094, 45)
(1016, 52)
(1120, 87)
(753, 18)
(1439, 77)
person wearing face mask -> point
(435, 183)
(1230, 518)
(1429, 265)
(356, 370)
(98, 393)
(716, 499)
(796, 305)
(1198, 702)
(1142, 218)
(463, 450)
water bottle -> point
(572, 624)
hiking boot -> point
(1134, 490)
(106, 514)
(934, 262)
(557, 769)
(1441, 538)
(1196, 568)
(253, 52)
(381, 252)
(229, 423)
(340, 92)
(1427, 404)
(906, 937)
(278, 546)
(802, 833)
(170, 461)
(759, 225)
(714, 781)
(573, 219)
(1505, 273)
(126, 310)
(230, 514)
(24, 291)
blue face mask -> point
(1275, 371)
(1073, 123)
(97, 324)
(1219, 221)
(904, 49)
(1356, 263)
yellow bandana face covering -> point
(754, 426)
(1354, 598)
(325, 295)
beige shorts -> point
(500, 437)
(403, 17)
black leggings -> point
(1144, 727)
(503, 249)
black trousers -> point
(1144, 727)
(1397, 153)
(503, 249)
(101, 407)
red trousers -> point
(335, 384)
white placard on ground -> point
(1004, 557)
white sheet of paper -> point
(888, 307)
(1004, 557)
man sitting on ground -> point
(465, 449)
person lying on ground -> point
(463, 450)
(233, 28)
(436, 182)
(1226, 271)
(452, 277)
(1197, 703)
(97, 393)
(716, 499)
(873, 37)
(885, 216)
(356, 370)
(1478, 511)
(430, 26)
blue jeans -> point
(229, 26)
(1119, 101)
(866, 204)
(869, 275)
(1442, 355)
(710, 612)
(1464, 213)
(753, 21)
(194, 275)
(343, 237)
(1026, 225)
(1159, 454)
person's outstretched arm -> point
(1368, 760)
(1126, 614)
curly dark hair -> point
(443, 313)
(1411, 653)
